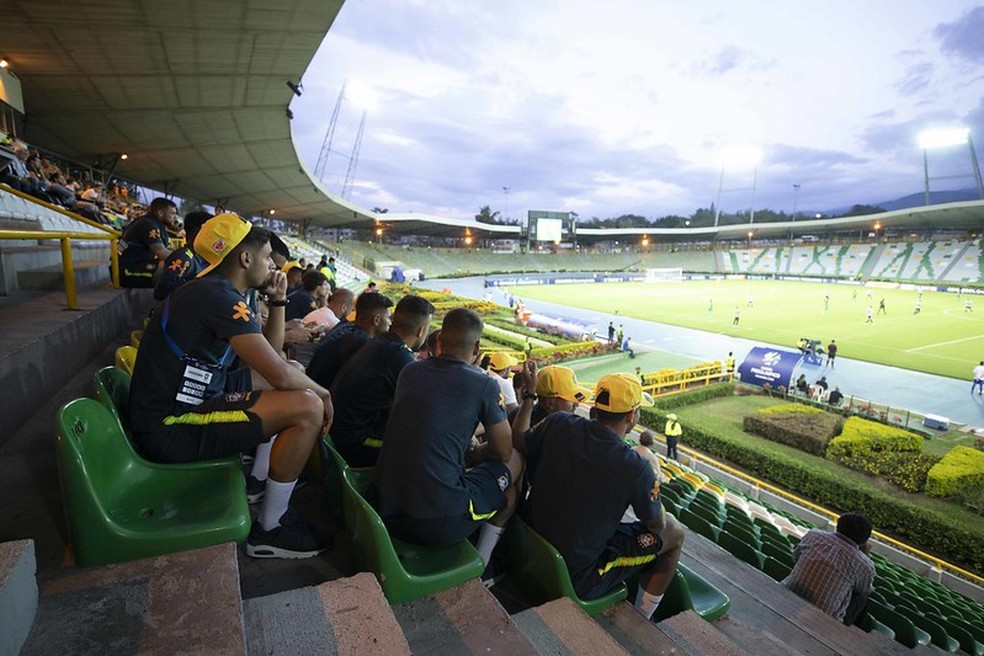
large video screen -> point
(549, 230)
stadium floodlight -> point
(934, 138)
(362, 95)
(737, 157)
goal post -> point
(668, 274)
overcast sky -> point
(609, 108)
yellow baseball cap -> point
(561, 382)
(501, 360)
(289, 266)
(620, 393)
(218, 237)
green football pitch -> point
(942, 339)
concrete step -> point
(345, 616)
(18, 594)
(186, 603)
(634, 633)
(561, 627)
(463, 620)
(87, 274)
(695, 636)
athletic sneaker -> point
(294, 538)
(255, 489)
(495, 571)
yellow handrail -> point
(60, 210)
(933, 560)
(68, 266)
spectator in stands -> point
(833, 570)
(673, 432)
(183, 264)
(433, 488)
(372, 318)
(557, 390)
(430, 348)
(341, 303)
(295, 273)
(645, 449)
(835, 397)
(312, 295)
(500, 369)
(363, 390)
(611, 331)
(586, 476)
(185, 403)
(93, 194)
(822, 383)
(146, 245)
(371, 287)
(802, 385)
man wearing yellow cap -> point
(501, 365)
(673, 431)
(584, 478)
(557, 390)
(187, 405)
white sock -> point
(261, 461)
(487, 539)
(275, 503)
(646, 602)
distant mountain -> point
(917, 200)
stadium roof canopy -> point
(195, 93)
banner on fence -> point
(769, 366)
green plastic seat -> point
(690, 591)
(122, 507)
(963, 628)
(906, 632)
(405, 571)
(937, 634)
(775, 568)
(783, 555)
(867, 623)
(698, 524)
(713, 517)
(541, 574)
(741, 550)
(746, 535)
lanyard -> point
(224, 361)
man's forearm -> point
(274, 328)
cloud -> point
(917, 78)
(963, 37)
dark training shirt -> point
(334, 351)
(137, 261)
(438, 405)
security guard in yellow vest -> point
(673, 430)
(729, 365)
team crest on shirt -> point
(241, 311)
(154, 233)
(502, 400)
(654, 493)
(233, 397)
(646, 540)
(503, 482)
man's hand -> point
(276, 286)
(298, 333)
(329, 412)
(527, 375)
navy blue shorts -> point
(630, 550)
(217, 428)
(486, 484)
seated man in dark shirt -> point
(372, 318)
(183, 264)
(185, 403)
(312, 295)
(585, 478)
(363, 390)
(557, 390)
(144, 244)
(427, 493)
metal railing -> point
(68, 265)
(60, 210)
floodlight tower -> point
(322, 164)
(741, 157)
(354, 159)
(943, 138)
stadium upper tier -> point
(943, 261)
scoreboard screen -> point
(552, 227)
(549, 230)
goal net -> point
(664, 275)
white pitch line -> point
(952, 341)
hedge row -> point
(960, 469)
(861, 437)
(799, 426)
(938, 531)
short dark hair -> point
(606, 417)
(855, 526)
(371, 302)
(312, 280)
(646, 438)
(411, 312)
(254, 240)
(431, 343)
(461, 328)
(193, 223)
(159, 204)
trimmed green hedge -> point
(800, 426)
(860, 437)
(939, 531)
(690, 397)
(960, 469)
